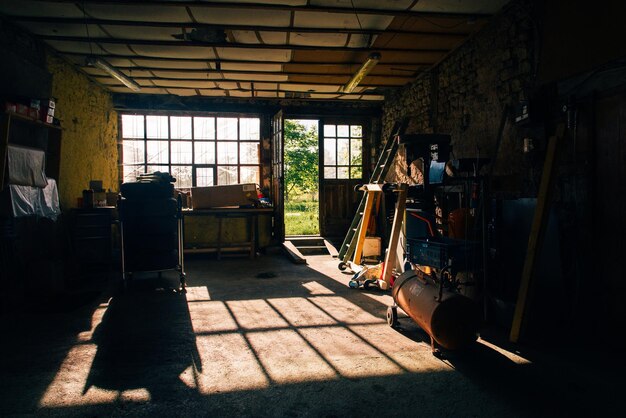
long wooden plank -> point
(369, 203)
(537, 234)
(293, 253)
(398, 219)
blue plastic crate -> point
(438, 252)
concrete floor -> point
(295, 341)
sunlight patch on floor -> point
(515, 358)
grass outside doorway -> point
(302, 218)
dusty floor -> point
(293, 342)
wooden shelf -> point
(37, 122)
(49, 141)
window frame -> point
(350, 166)
(142, 167)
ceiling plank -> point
(328, 62)
(115, 83)
(278, 7)
(460, 35)
(230, 45)
(347, 73)
(383, 81)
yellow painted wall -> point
(89, 143)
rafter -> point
(261, 28)
(347, 73)
(232, 45)
(247, 80)
(237, 61)
(281, 7)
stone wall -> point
(89, 144)
(466, 93)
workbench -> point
(249, 214)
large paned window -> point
(343, 151)
(197, 150)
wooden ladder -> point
(385, 160)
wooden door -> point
(343, 163)
(278, 177)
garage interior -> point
(507, 114)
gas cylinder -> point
(452, 320)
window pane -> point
(356, 173)
(181, 127)
(161, 168)
(157, 127)
(133, 152)
(130, 173)
(249, 153)
(356, 131)
(343, 156)
(342, 173)
(227, 128)
(158, 152)
(204, 128)
(181, 152)
(227, 152)
(356, 152)
(329, 130)
(250, 175)
(343, 130)
(330, 152)
(132, 126)
(250, 128)
(204, 152)
(330, 173)
(227, 175)
(182, 174)
(204, 176)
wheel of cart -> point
(392, 316)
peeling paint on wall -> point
(89, 144)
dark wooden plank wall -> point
(609, 256)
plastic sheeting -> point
(26, 166)
(29, 200)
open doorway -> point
(301, 162)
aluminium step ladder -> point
(385, 160)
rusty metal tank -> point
(452, 321)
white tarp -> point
(26, 166)
(28, 200)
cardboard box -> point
(223, 196)
(371, 247)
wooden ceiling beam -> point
(280, 90)
(231, 45)
(279, 29)
(279, 7)
(247, 80)
(347, 73)
(236, 61)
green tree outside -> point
(301, 159)
(301, 178)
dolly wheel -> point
(353, 284)
(392, 316)
(342, 266)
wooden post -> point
(537, 233)
(398, 219)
